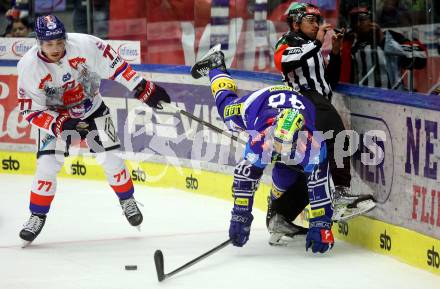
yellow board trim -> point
(406, 245)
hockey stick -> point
(158, 261)
(175, 109)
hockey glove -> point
(66, 123)
(63, 123)
(240, 227)
(151, 94)
(320, 236)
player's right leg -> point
(43, 186)
(104, 142)
(119, 178)
(346, 204)
(223, 87)
(287, 200)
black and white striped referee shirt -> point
(300, 61)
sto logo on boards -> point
(433, 258)
(10, 164)
(343, 228)
(192, 183)
(139, 175)
(385, 241)
(78, 169)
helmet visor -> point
(311, 18)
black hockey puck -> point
(131, 267)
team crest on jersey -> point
(67, 77)
(44, 80)
(75, 61)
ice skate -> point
(132, 212)
(32, 229)
(282, 232)
(347, 205)
(213, 59)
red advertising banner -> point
(13, 127)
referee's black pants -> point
(327, 118)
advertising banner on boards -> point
(406, 181)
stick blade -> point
(158, 261)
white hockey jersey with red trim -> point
(71, 85)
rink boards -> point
(181, 154)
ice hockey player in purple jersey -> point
(58, 92)
(280, 124)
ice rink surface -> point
(86, 243)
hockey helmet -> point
(297, 11)
(289, 122)
(49, 27)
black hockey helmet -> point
(297, 11)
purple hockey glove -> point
(320, 236)
(240, 228)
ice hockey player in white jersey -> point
(58, 92)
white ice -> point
(87, 242)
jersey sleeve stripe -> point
(32, 115)
(119, 70)
(124, 187)
(41, 200)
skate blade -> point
(213, 49)
(360, 209)
(198, 72)
(139, 228)
(282, 240)
(25, 244)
